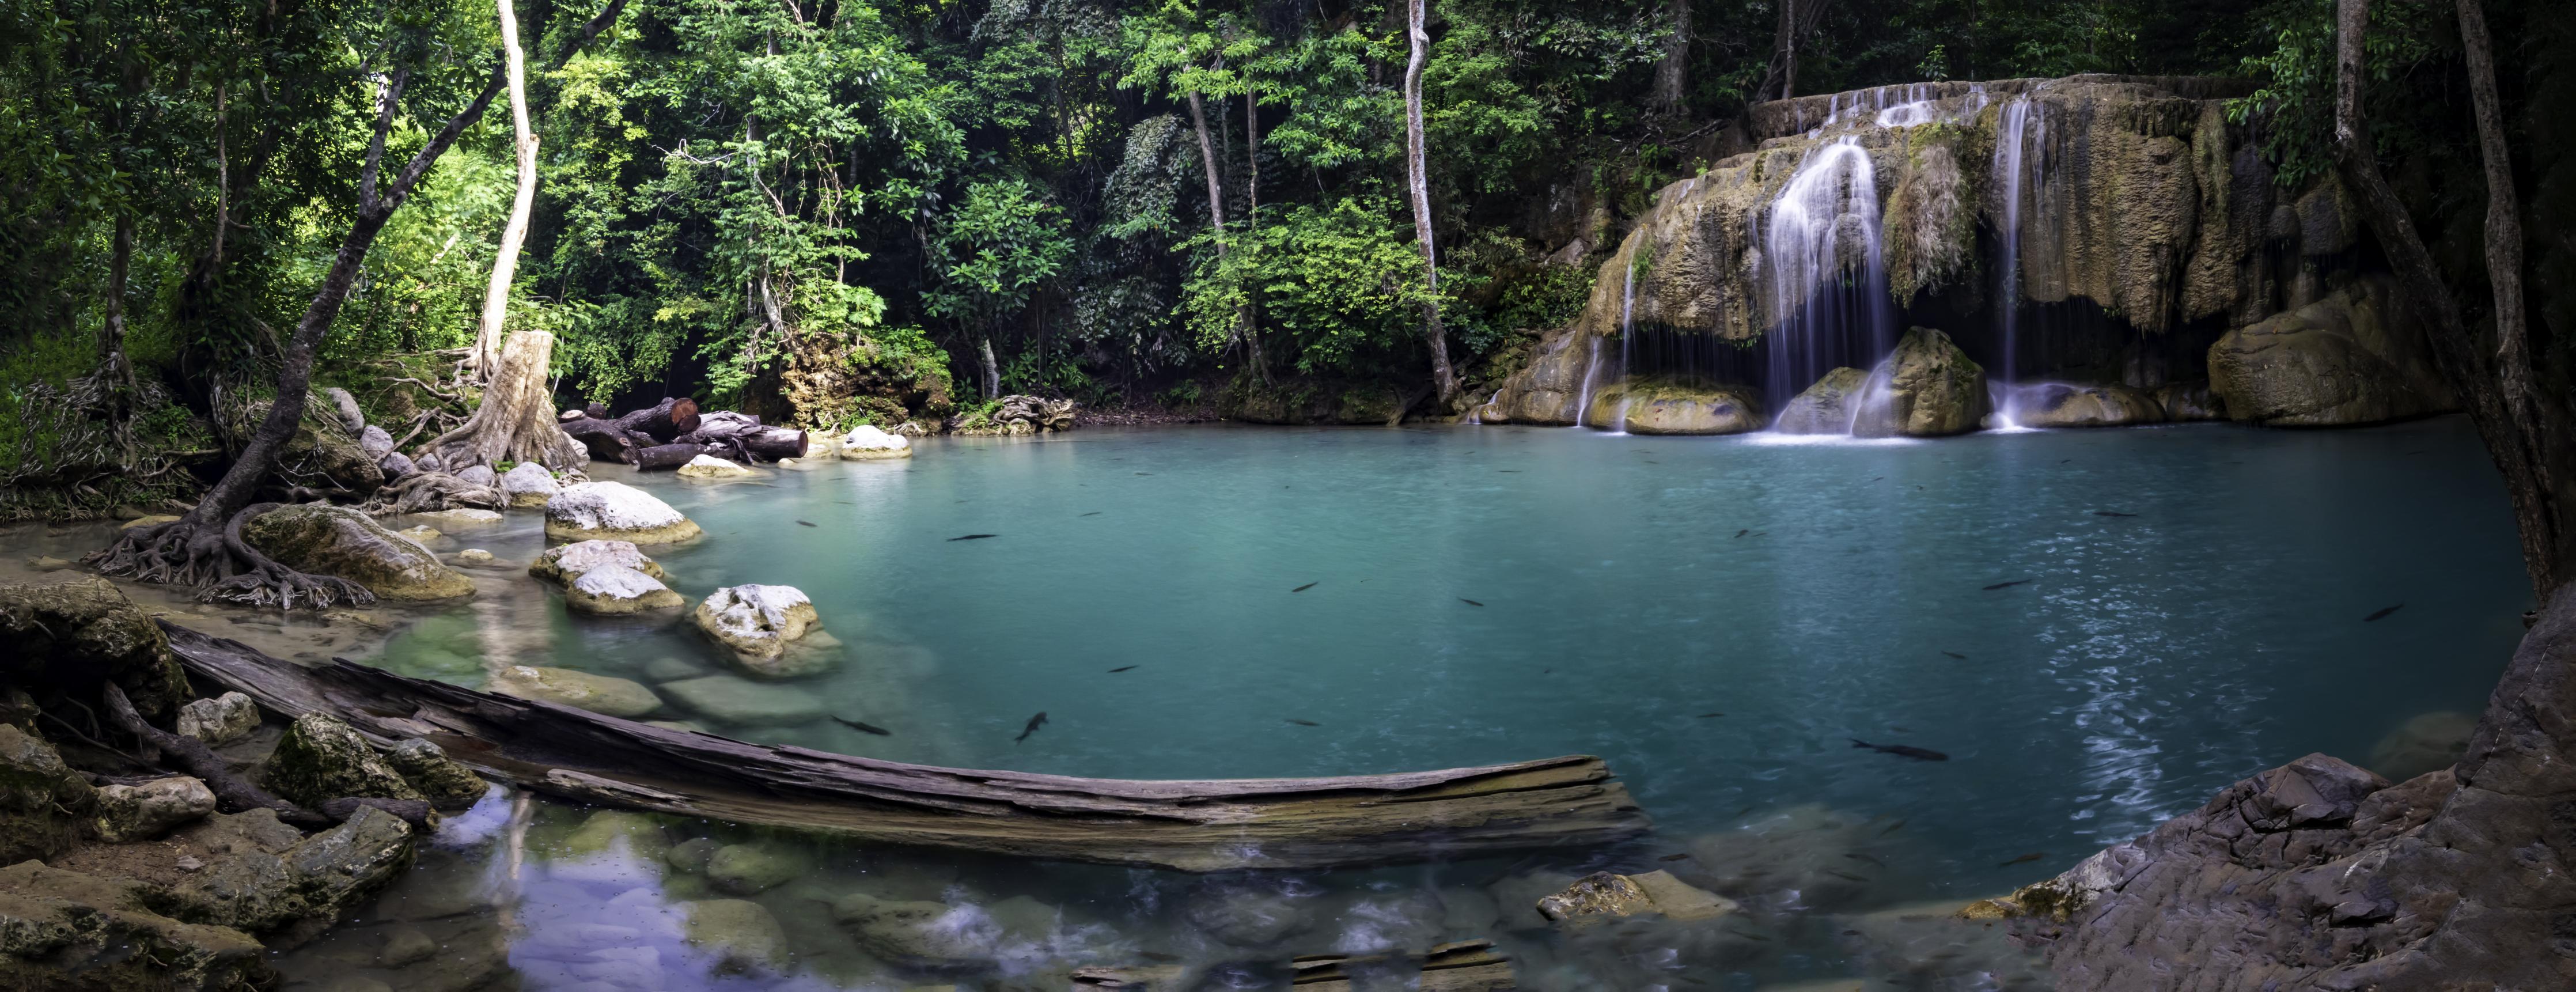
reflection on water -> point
(2099, 628)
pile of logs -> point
(669, 433)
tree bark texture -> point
(1418, 187)
(1672, 72)
(1797, 19)
(1207, 161)
(516, 420)
(485, 359)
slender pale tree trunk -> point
(1417, 181)
(485, 361)
(1207, 161)
(111, 339)
(1672, 73)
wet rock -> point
(712, 467)
(335, 540)
(262, 875)
(2351, 358)
(1248, 917)
(866, 443)
(668, 668)
(128, 813)
(753, 868)
(615, 511)
(737, 701)
(48, 563)
(639, 833)
(467, 517)
(1598, 894)
(741, 932)
(1806, 855)
(322, 759)
(346, 863)
(2185, 402)
(759, 622)
(73, 635)
(45, 806)
(1657, 406)
(2428, 743)
(566, 562)
(221, 720)
(447, 783)
(2058, 404)
(692, 856)
(422, 533)
(58, 927)
(154, 520)
(1927, 387)
(479, 476)
(406, 945)
(605, 694)
(528, 484)
(1826, 407)
(474, 556)
(614, 590)
(926, 935)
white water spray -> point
(2021, 136)
(1824, 268)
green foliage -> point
(1341, 284)
(2295, 105)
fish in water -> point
(864, 728)
(1034, 723)
(1705, 716)
(1875, 479)
(1304, 723)
(1122, 668)
(974, 537)
(1955, 654)
(1902, 750)
(1743, 532)
(1512, 471)
(1307, 586)
(2383, 612)
(1093, 513)
(2112, 513)
(1469, 602)
(2024, 859)
(1144, 473)
(2007, 585)
(807, 523)
(1153, 956)
(1675, 857)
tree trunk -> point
(1797, 18)
(111, 340)
(992, 371)
(1418, 185)
(663, 421)
(516, 421)
(485, 359)
(1207, 161)
(2520, 447)
(1672, 73)
(1245, 316)
(667, 455)
(603, 438)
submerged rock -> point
(264, 875)
(927, 935)
(45, 806)
(2428, 743)
(1665, 407)
(529, 484)
(1805, 854)
(1826, 407)
(338, 541)
(1603, 894)
(2057, 404)
(712, 467)
(741, 702)
(866, 443)
(2352, 358)
(1247, 917)
(640, 833)
(566, 562)
(617, 590)
(144, 811)
(72, 635)
(740, 932)
(220, 720)
(754, 867)
(615, 511)
(758, 622)
(1927, 387)
(461, 518)
(447, 782)
(322, 759)
(604, 694)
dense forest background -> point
(849, 211)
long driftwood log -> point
(1197, 826)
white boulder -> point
(215, 721)
(865, 442)
(566, 562)
(616, 589)
(758, 622)
(712, 467)
(615, 511)
(529, 484)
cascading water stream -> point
(2021, 134)
(1824, 269)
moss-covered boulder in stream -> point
(1826, 407)
(336, 540)
(45, 806)
(2350, 358)
(1927, 387)
(322, 759)
(70, 637)
(1661, 406)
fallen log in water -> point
(1199, 826)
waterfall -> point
(2021, 136)
(1823, 267)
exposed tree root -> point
(234, 793)
(424, 492)
(221, 566)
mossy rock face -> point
(1927, 387)
(448, 784)
(338, 541)
(66, 930)
(1826, 407)
(2062, 405)
(2342, 361)
(72, 636)
(322, 759)
(1663, 407)
(45, 806)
